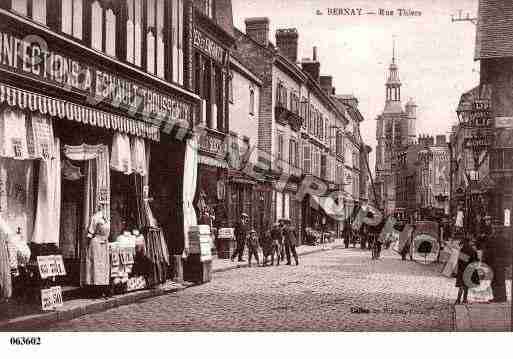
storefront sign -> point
(211, 144)
(208, 46)
(35, 59)
(51, 266)
(135, 283)
(51, 298)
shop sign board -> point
(211, 144)
(208, 46)
(51, 266)
(51, 298)
(135, 283)
(32, 56)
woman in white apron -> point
(97, 262)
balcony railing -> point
(286, 117)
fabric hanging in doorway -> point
(190, 177)
(48, 212)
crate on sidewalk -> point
(197, 270)
(226, 243)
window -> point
(324, 173)
(307, 158)
(293, 153)
(281, 95)
(71, 18)
(230, 87)
(251, 100)
(294, 103)
(279, 205)
(133, 32)
(208, 7)
(100, 17)
(177, 40)
(155, 37)
(280, 146)
(35, 9)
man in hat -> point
(241, 232)
(291, 240)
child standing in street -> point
(253, 244)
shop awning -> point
(214, 162)
(329, 206)
(68, 110)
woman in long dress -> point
(97, 262)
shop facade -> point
(83, 131)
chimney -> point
(327, 84)
(441, 140)
(286, 41)
(258, 29)
(312, 67)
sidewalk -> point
(77, 307)
(223, 265)
(483, 317)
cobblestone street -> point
(329, 291)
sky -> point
(435, 56)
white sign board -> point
(51, 298)
(51, 266)
(507, 217)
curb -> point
(36, 321)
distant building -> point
(395, 130)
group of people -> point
(278, 242)
(368, 237)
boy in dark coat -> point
(253, 244)
(241, 232)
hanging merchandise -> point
(138, 155)
(71, 172)
(40, 137)
(189, 188)
(120, 159)
(13, 134)
(48, 212)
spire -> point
(393, 49)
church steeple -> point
(393, 84)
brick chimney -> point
(327, 84)
(258, 29)
(313, 66)
(286, 41)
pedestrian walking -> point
(468, 255)
(290, 240)
(241, 232)
(253, 245)
(346, 232)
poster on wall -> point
(51, 298)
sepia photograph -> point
(244, 166)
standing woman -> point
(291, 241)
(5, 266)
(97, 263)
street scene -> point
(240, 165)
(336, 290)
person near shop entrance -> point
(241, 232)
(97, 262)
(468, 255)
(346, 232)
(253, 245)
(290, 239)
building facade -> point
(97, 102)
(395, 130)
